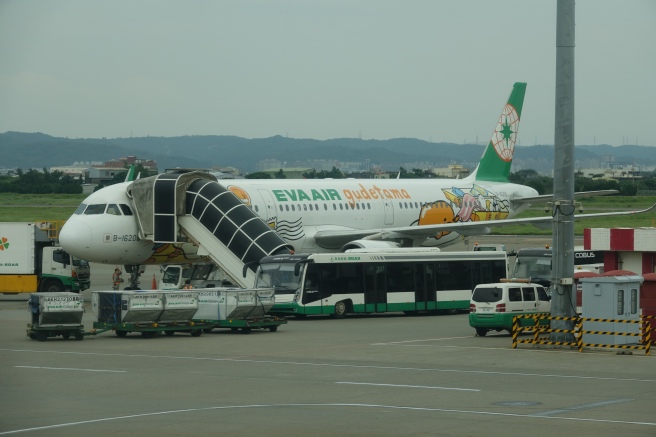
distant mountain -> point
(37, 150)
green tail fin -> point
(130, 176)
(497, 158)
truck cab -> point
(63, 272)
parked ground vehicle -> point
(493, 306)
(201, 275)
(535, 264)
(31, 262)
(377, 281)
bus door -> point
(425, 290)
(375, 293)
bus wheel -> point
(340, 310)
(481, 332)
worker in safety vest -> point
(116, 279)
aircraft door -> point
(268, 210)
(388, 207)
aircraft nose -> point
(75, 238)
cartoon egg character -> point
(436, 213)
(240, 193)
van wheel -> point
(340, 310)
(481, 332)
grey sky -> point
(435, 70)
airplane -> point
(320, 215)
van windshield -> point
(487, 294)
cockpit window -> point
(126, 209)
(95, 209)
(80, 209)
(113, 209)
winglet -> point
(497, 158)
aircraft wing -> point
(549, 197)
(335, 237)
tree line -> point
(40, 182)
(56, 182)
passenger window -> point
(126, 209)
(542, 294)
(529, 294)
(514, 295)
(113, 209)
(95, 209)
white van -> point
(493, 306)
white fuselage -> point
(299, 209)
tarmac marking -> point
(72, 368)
(582, 407)
(373, 406)
(418, 341)
(350, 366)
(407, 386)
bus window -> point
(281, 276)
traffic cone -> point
(154, 282)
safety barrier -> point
(578, 332)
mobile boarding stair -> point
(193, 206)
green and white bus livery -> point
(377, 281)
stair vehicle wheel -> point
(41, 336)
(66, 335)
(246, 330)
(196, 332)
(273, 328)
(481, 332)
(120, 333)
(169, 333)
(79, 336)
